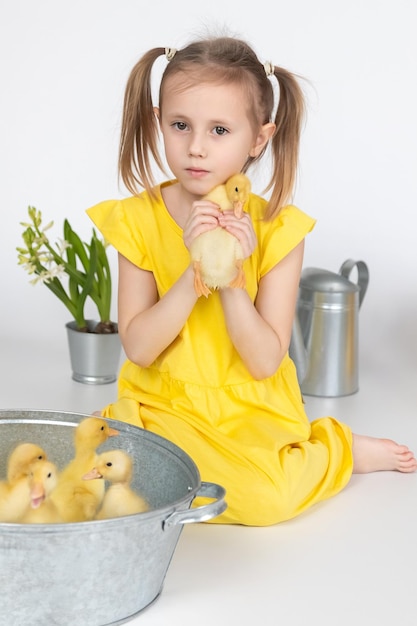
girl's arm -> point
(147, 324)
(261, 333)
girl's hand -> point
(241, 228)
(204, 216)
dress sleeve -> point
(282, 235)
(118, 222)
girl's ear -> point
(157, 114)
(265, 134)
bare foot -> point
(97, 413)
(373, 455)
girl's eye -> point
(220, 130)
(180, 125)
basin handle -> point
(200, 513)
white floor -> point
(349, 560)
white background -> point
(64, 66)
(63, 69)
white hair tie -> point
(170, 53)
(269, 68)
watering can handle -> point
(363, 275)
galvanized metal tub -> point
(99, 572)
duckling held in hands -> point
(120, 499)
(217, 254)
(42, 481)
(76, 499)
(14, 492)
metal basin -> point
(98, 572)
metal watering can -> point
(324, 342)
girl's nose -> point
(196, 147)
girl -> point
(213, 374)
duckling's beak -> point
(113, 432)
(238, 208)
(94, 473)
(37, 496)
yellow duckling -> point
(42, 481)
(77, 500)
(116, 466)
(216, 254)
(14, 492)
(21, 457)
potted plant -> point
(94, 344)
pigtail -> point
(286, 140)
(139, 132)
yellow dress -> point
(252, 437)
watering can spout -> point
(298, 351)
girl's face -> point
(207, 133)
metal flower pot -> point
(99, 572)
(94, 357)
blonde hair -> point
(220, 59)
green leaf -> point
(85, 264)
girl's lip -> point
(196, 173)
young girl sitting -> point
(213, 374)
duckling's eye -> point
(49, 475)
(109, 464)
(40, 457)
(102, 428)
